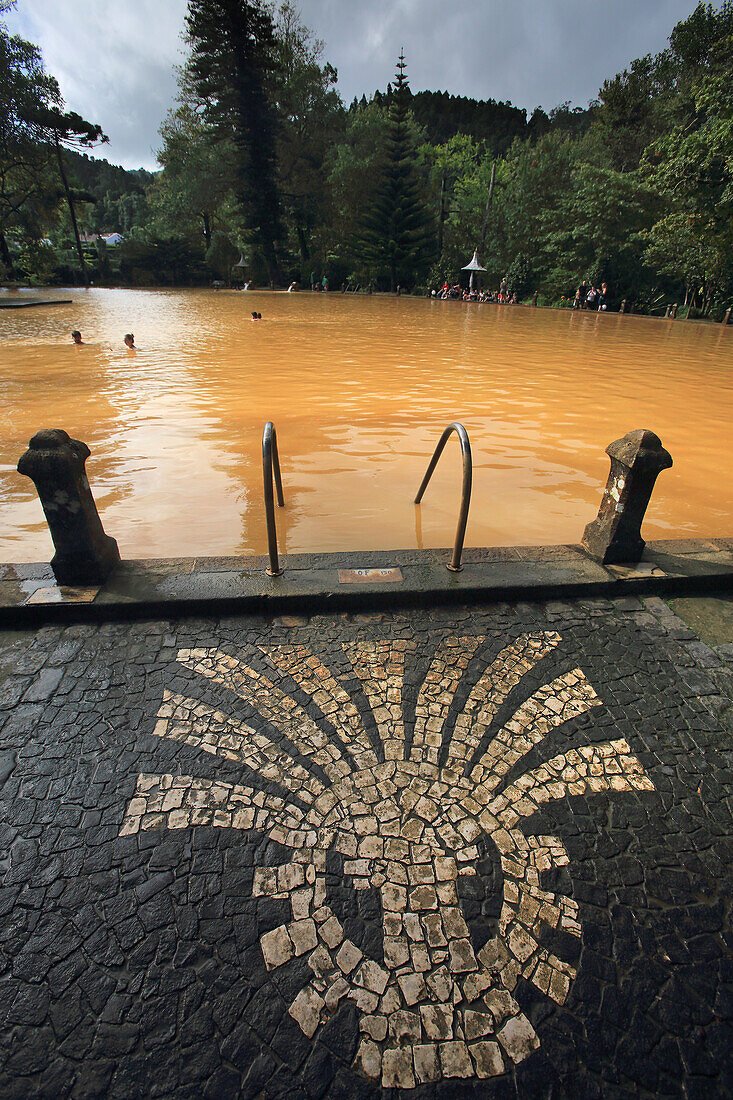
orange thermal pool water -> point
(359, 390)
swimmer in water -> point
(130, 341)
(76, 336)
(256, 316)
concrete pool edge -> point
(175, 587)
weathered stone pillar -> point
(673, 314)
(636, 461)
(55, 463)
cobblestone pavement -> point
(473, 852)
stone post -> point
(55, 463)
(636, 461)
(673, 314)
(728, 312)
(622, 307)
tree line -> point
(267, 175)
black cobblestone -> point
(131, 966)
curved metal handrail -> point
(270, 470)
(455, 562)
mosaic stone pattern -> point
(132, 966)
(411, 822)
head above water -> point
(76, 336)
(129, 340)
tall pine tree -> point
(232, 67)
(397, 236)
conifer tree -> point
(232, 67)
(397, 235)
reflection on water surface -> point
(359, 390)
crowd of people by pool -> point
(588, 296)
(458, 293)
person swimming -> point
(256, 316)
(76, 336)
(130, 341)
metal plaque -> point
(370, 576)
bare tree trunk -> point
(271, 263)
(441, 215)
(5, 254)
(72, 212)
(485, 226)
(303, 244)
(706, 298)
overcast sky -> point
(114, 59)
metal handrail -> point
(270, 469)
(455, 562)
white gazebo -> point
(473, 266)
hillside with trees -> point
(262, 165)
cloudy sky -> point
(115, 59)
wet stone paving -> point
(467, 852)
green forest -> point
(266, 175)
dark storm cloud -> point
(115, 61)
(526, 51)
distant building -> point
(108, 238)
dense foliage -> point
(266, 175)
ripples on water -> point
(359, 389)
